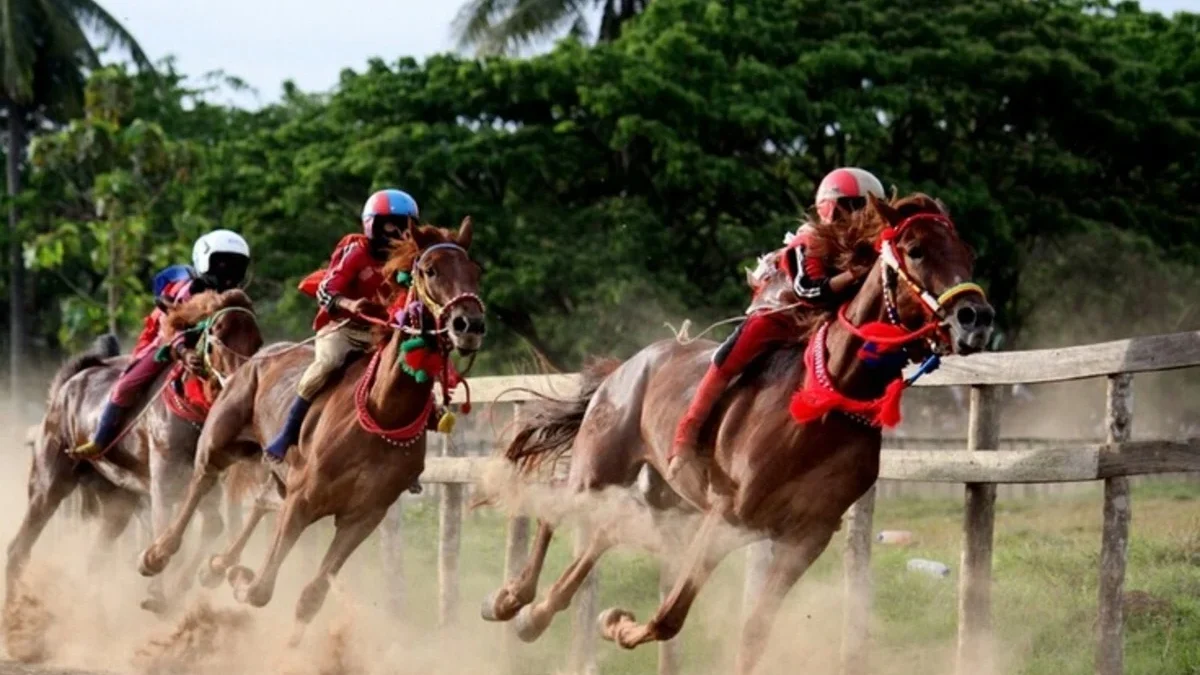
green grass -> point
(1044, 593)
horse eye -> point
(916, 252)
(430, 272)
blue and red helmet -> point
(389, 202)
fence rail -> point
(983, 461)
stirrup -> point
(89, 450)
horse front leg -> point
(257, 590)
(219, 564)
(707, 549)
(349, 535)
(504, 603)
(791, 560)
(533, 620)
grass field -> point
(1044, 595)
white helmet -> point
(217, 241)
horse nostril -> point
(965, 316)
(985, 316)
(460, 324)
(476, 326)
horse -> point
(156, 448)
(778, 471)
(363, 442)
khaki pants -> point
(333, 344)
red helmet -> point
(845, 183)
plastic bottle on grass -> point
(931, 567)
(894, 537)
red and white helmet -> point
(845, 183)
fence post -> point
(1110, 624)
(391, 545)
(449, 542)
(975, 577)
(583, 625)
(856, 570)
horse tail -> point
(547, 428)
(105, 347)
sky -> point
(265, 42)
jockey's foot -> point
(89, 450)
(688, 474)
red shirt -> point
(176, 291)
(353, 274)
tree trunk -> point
(114, 289)
(16, 281)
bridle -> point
(208, 339)
(894, 271)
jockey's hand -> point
(193, 361)
(363, 307)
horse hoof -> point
(240, 576)
(210, 578)
(155, 604)
(610, 619)
(525, 627)
(489, 609)
(150, 563)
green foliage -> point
(625, 184)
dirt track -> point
(12, 668)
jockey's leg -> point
(137, 375)
(731, 358)
(333, 345)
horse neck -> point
(850, 374)
(396, 398)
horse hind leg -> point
(533, 620)
(504, 603)
(213, 525)
(50, 482)
(257, 590)
(218, 565)
(349, 535)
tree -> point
(499, 26)
(118, 181)
(44, 49)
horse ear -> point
(421, 238)
(465, 232)
(889, 215)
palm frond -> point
(63, 35)
(106, 25)
(533, 19)
(18, 48)
(473, 23)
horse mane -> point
(195, 309)
(404, 252)
(848, 243)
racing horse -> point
(152, 457)
(793, 444)
(363, 443)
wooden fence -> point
(980, 466)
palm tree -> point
(44, 52)
(499, 26)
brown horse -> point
(362, 444)
(152, 458)
(771, 477)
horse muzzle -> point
(467, 329)
(971, 321)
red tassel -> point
(812, 403)
(889, 406)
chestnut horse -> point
(770, 477)
(363, 442)
(157, 447)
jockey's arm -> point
(346, 265)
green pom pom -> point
(163, 354)
(412, 343)
(404, 278)
(421, 377)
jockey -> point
(843, 190)
(348, 289)
(219, 262)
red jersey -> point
(353, 274)
(173, 292)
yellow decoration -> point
(446, 423)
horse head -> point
(228, 330)
(436, 266)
